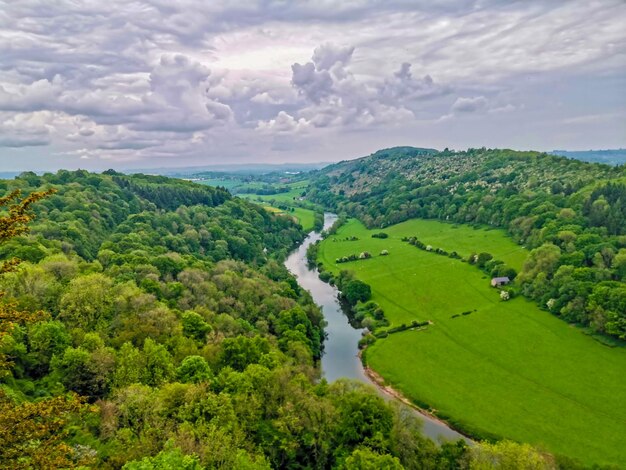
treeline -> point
(265, 190)
(571, 213)
(170, 194)
(89, 209)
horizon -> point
(147, 86)
(234, 168)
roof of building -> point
(501, 279)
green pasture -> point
(227, 183)
(304, 217)
(303, 211)
(289, 197)
(507, 369)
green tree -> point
(158, 366)
(194, 326)
(194, 369)
(86, 373)
(507, 455)
(355, 291)
(129, 366)
(241, 351)
(172, 459)
(46, 339)
(365, 459)
(88, 302)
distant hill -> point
(239, 168)
(610, 157)
(5, 175)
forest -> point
(141, 335)
(571, 214)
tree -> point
(194, 326)
(507, 455)
(194, 369)
(84, 372)
(482, 258)
(129, 366)
(356, 290)
(15, 222)
(45, 340)
(158, 367)
(88, 302)
(31, 434)
(172, 459)
(365, 459)
(241, 351)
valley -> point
(507, 369)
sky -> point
(162, 83)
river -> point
(340, 358)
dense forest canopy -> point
(571, 214)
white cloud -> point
(469, 105)
(283, 123)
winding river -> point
(340, 357)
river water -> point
(340, 358)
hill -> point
(571, 214)
(609, 157)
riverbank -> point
(384, 389)
(341, 358)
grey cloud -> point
(403, 86)
(16, 142)
(337, 97)
(469, 105)
(312, 83)
(326, 56)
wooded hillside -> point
(571, 213)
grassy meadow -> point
(508, 369)
(304, 215)
(227, 183)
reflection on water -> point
(340, 348)
(340, 357)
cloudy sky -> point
(154, 83)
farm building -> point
(499, 281)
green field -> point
(223, 182)
(303, 211)
(305, 217)
(288, 197)
(507, 369)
